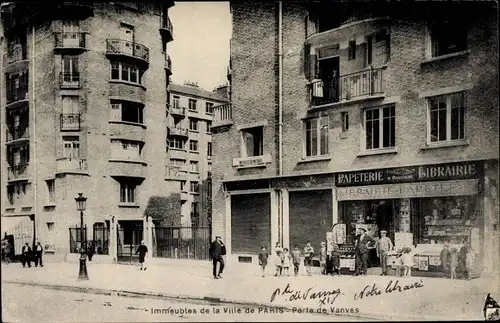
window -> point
(381, 47)
(446, 117)
(127, 192)
(126, 149)
(18, 155)
(71, 147)
(209, 149)
(125, 72)
(70, 105)
(253, 142)
(10, 194)
(193, 125)
(194, 187)
(448, 36)
(127, 111)
(183, 185)
(352, 50)
(316, 136)
(193, 105)
(195, 166)
(176, 102)
(178, 162)
(193, 145)
(345, 120)
(51, 191)
(195, 214)
(176, 143)
(69, 70)
(209, 107)
(380, 127)
(209, 126)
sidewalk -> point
(437, 299)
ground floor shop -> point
(425, 207)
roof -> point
(189, 90)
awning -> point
(10, 222)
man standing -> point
(38, 254)
(26, 255)
(142, 250)
(361, 249)
(217, 250)
(384, 245)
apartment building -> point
(83, 110)
(189, 169)
(347, 114)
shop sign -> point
(424, 173)
(255, 161)
(408, 190)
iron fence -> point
(182, 242)
(101, 240)
(75, 242)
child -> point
(407, 261)
(453, 263)
(296, 260)
(335, 259)
(399, 265)
(287, 257)
(308, 255)
(263, 255)
(322, 258)
(278, 260)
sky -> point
(200, 49)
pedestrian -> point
(407, 258)
(453, 263)
(335, 256)
(7, 251)
(384, 245)
(308, 255)
(26, 255)
(287, 259)
(296, 260)
(399, 264)
(38, 254)
(322, 258)
(142, 250)
(263, 256)
(278, 261)
(90, 250)
(446, 259)
(362, 247)
(217, 251)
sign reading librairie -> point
(424, 173)
(254, 161)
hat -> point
(218, 237)
(362, 228)
(383, 231)
(323, 243)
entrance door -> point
(128, 39)
(329, 71)
(129, 236)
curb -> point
(215, 301)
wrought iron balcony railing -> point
(70, 121)
(18, 172)
(179, 131)
(69, 80)
(223, 113)
(17, 133)
(69, 40)
(70, 164)
(17, 94)
(166, 24)
(125, 47)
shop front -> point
(429, 208)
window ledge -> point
(445, 57)
(128, 83)
(195, 111)
(446, 144)
(315, 159)
(10, 209)
(378, 152)
(194, 151)
(128, 123)
(195, 131)
(124, 204)
(131, 161)
(194, 193)
(194, 172)
(49, 204)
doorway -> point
(329, 72)
(128, 38)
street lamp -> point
(81, 202)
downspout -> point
(280, 88)
(34, 158)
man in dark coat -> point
(38, 254)
(362, 248)
(26, 255)
(217, 251)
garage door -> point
(310, 217)
(250, 222)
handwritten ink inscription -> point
(392, 287)
(324, 297)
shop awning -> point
(10, 222)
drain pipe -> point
(33, 100)
(280, 87)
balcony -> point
(127, 130)
(17, 134)
(168, 64)
(176, 111)
(175, 173)
(127, 50)
(70, 165)
(178, 132)
(15, 60)
(166, 28)
(176, 153)
(21, 172)
(70, 41)
(15, 95)
(70, 121)
(223, 115)
(69, 80)
(360, 85)
(121, 167)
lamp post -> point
(81, 202)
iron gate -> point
(128, 240)
(181, 242)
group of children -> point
(449, 259)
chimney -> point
(223, 91)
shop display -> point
(403, 239)
(404, 215)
